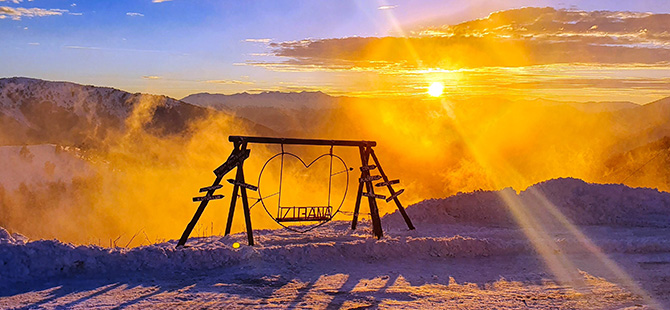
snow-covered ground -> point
(481, 250)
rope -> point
(281, 178)
(330, 174)
(257, 199)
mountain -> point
(291, 114)
(273, 99)
(592, 106)
(645, 166)
(34, 111)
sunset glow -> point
(505, 54)
(529, 139)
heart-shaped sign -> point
(301, 196)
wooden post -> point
(359, 192)
(374, 211)
(198, 213)
(245, 205)
(233, 201)
(392, 191)
(236, 158)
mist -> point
(140, 180)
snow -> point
(90, 102)
(582, 203)
(467, 252)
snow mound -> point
(580, 202)
(16, 238)
(22, 261)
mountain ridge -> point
(35, 111)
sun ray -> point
(536, 229)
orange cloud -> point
(17, 13)
(514, 38)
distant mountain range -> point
(38, 111)
(273, 99)
(291, 114)
(34, 111)
(63, 146)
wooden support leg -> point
(231, 211)
(392, 191)
(359, 193)
(374, 211)
(198, 213)
(245, 205)
(357, 207)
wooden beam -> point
(291, 141)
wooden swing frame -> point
(240, 153)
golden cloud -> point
(230, 82)
(514, 38)
(17, 13)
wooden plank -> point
(396, 194)
(387, 183)
(210, 188)
(245, 185)
(203, 198)
(235, 157)
(369, 178)
(368, 167)
(292, 141)
(373, 195)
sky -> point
(179, 47)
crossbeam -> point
(292, 141)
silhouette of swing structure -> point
(298, 214)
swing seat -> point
(305, 214)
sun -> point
(436, 89)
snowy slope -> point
(464, 225)
(469, 237)
(582, 203)
(37, 111)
